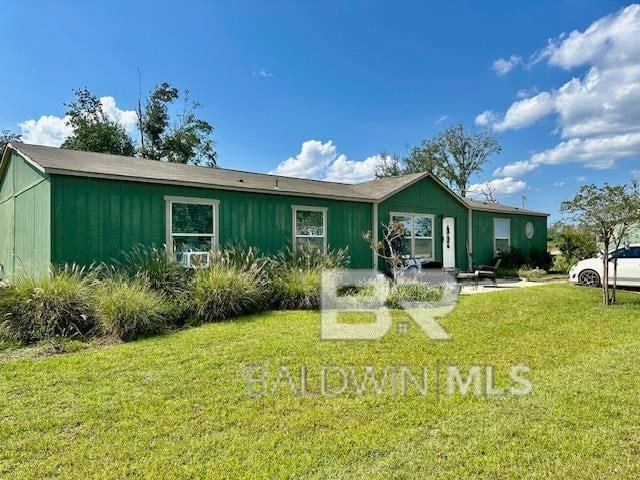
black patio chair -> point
(488, 271)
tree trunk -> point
(605, 271)
(615, 280)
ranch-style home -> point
(63, 206)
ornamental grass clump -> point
(156, 268)
(129, 308)
(295, 276)
(225, 290)
(296, 289)
(58, 304)
(413, 292)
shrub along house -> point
(63, 206)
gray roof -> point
(500, 208)
(54, 160)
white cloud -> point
(313, 160)
(441, 119)
(503, 66)
(599, 153)
(349, 171)
(485, 118)
(47, 130)
(52, 131)
(525, 112)
(502, 187)
(322, 161)
(527, 92)
(611, 40)
(597, 113)
(516, 169)
(605, 101)
(635, 173)
(263, 72)
(581, 179)
(559, 184)
(127, 118)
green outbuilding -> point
(64, 206)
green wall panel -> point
(426, 196)
(98, 219)
(25, 220)
(7, 180)
(483, 248)
(7, 236)
(78, 219)
(6, 219)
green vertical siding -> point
(426, 196)
(7, 204)
(97, 219)
(25, 207)
(78, 219)
(483, 248)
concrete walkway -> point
(485, 286)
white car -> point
(589, 272)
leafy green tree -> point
(574, 241)
(389, 166)
(7, 136)
(187, 139)
(606, 212)
(93, 130)
(454, 155)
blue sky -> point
(280, 80)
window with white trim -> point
(310, 228)
(191, 225)
(418, 232)
(501, 235)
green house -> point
(64, 206)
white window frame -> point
(170, 200)
(495, 221)
(294, 234)
(413, 231)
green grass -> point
(176, 406)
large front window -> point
(191, 225)
(418, 232)
(310, 228)
(501, 235)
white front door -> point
(448, 242)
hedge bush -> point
(515, 258)
(562, 265)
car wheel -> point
(589, 278)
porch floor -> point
(486, 286)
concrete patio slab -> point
(486, 286)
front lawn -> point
(177, 405)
